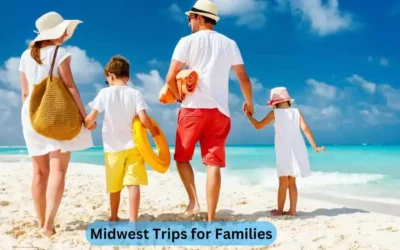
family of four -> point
(204, 117)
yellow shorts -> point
(124, 168)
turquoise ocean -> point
(357, 172)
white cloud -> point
(322, 89)
(317, 113)
(369, 87)
(176, 13)
(250, 13)
(325, 19)
(375, 116)
(392, 96)
(384, 62)
(155, 63)
(9, 99)
(257, 86)
(9, 74)
(84, 69)
(151, 85)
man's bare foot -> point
(191, 209)
(113, 219)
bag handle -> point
(52, 64)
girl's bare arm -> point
(308, 133)
(263, 123)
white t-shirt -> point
(212, 55)
(121, 104)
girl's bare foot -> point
(276, 212)
(113, 218)
(290, 213)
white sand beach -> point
(319, 225)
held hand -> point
(248, 108)
(155, 131)
(93, 127)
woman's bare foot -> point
(191, 209)
(48, 232)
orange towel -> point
(186, 82)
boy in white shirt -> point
(123, 161)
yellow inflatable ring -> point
(160, 162)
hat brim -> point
(216, 18)
(280, 101)
(58, 31)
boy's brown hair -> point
(117, 65)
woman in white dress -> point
(290, 148)
(50, 157)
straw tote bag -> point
(52, 110)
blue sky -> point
(339, 60)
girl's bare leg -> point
(293, 196)
(283, 186)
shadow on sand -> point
(228, 215)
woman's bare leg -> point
(39, 186)
(58, 169)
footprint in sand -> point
(4, 203)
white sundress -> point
(290, 148)
(37, 144)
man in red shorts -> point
(204, 115)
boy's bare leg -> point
(114, 203)
(134, 202)
(292, 196)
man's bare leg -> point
(187, 176)
(213, 190)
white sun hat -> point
(278, 95)
(205, 8)
(52, 26)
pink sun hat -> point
(278, 95)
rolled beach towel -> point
(186, 82)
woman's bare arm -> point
(24, 87)
(66, 75)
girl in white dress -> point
(49, 157)
(290, 148)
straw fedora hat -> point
(278, 95)
(52, 26)
(204, 8)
